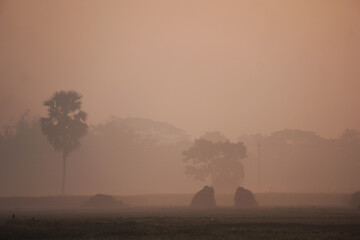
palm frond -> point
(66, 122)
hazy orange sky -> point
(233, 66)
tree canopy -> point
(65, 123)
(219, 161)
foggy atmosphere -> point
(157, 119)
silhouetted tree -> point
(295, 136)
(151, 132)
(217, 161)
(23, 151)
(65, 124)
(350, 136)
(214, 137)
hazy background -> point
(234, 66)
(240, 67)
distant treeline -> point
(301, 161)
(128, 155)
(134, 155)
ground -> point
(181, 223)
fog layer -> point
(172, 71)
(233, 66)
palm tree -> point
(65, 124)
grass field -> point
(181, 223)
(338, 200)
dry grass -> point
(182, 223)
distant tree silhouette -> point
(65, 124)
(350, 135)
(217, 161)
(214, 137)
(295, 136)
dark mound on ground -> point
(103, 201)
(204, 198)
(355, 200)
(245, 198)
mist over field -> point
(281, 77)
(126, 156)
(179, 119)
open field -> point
(282, 216)
(182, 200)
(181, 223)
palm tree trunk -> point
(64, 174)
(212, 175)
